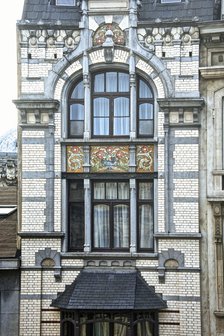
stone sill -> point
(219, 313)
(212, 72)
(178, 235)
(9, 264)
(41, 234)
(108, 255)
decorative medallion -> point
(118, 35)
(145, 158)
(75, 159)
(107, 159)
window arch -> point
(110, 107)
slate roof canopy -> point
(109, 290)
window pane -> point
(121, 126)
(101, 226)
(145, 190)
(101, 126)
(146, 127)
(144, 90)
(123, 190)
(146, 111)
(101, 329)
(111, 82)
(121, 107)
(78, 92)
(99, 190)
(123, 82)
(145, 226)
(111, 190)
(101, 107)
(121, 226)
(99, 83)
(76, 128)
(77, 226)
(77, 112)
(76, 191)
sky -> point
(8, 63)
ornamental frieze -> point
(148, 37)
(110, 159)
(51, 38)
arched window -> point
(110, 107)
(111, 112)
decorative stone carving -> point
(218, 210)
(110, 263)
(37, 111)
(8, 172)
(172, 256)
(166, 36)
(68, 39)
(43, 258)
(118, 37)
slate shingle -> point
(35, 11)
(109, 290)
(152, 10)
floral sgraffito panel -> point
(145, 159)
(107, 159)
(75, 159)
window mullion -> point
(112, 116)
(111, 225)
(133, 217)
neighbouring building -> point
(9, 249)
(112, 125)
(212, 177)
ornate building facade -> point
(110, 119)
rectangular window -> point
(145, 215)
(111, 215)
(65, 2)
(76, 215)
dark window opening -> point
(76, 215)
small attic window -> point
(65, 2)
(170, 1)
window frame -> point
(72, 101)
(65, 5)
(111, 96)
(164, 2)
(140, 101)
(138, 204)
(111, 203)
